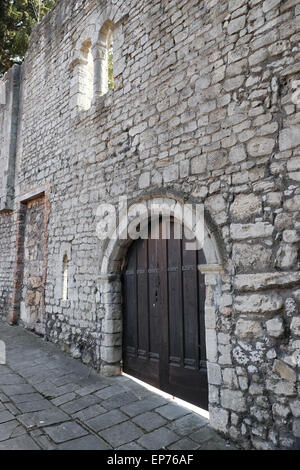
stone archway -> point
(111, 288)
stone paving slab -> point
(149, 421)
(5, 416)
(159, 439)
(187, 424)
(172, 411)
(7, 429)
(107, 420)
(85, 443)
(65, 432)
(185, 444)
(19, 443)
(51, 401)
(121, 434)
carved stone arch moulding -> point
(110, 286)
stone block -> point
(256, 303)
(199, 165)
(285, 371)
(237, 154)
(245, 207)
(252, 257)
(296, 428)
(111, 355)
(248, 329)
(293, 204)
(219, 419)
(289, 138)
(275, 327)
(214, 374)
(295, 326)
(171, 173)
(269, 4)
(287, 256)
(262, 281)
(230, 378)
(237, 24)
(144, 180)
(233, 400)
(295, 407)
(249, 231)
(211, 345)
(260, 146)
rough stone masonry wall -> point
(9, 116)
(32, 296)
(9, 113)
(7, 260)
(202, 109)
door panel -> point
(140, 345)
(32, 293)
(164, 331)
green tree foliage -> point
(17, 18)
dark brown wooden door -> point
(164, 331)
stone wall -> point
(32, 295)
(203, 109)
(7, 261)
(9, 117)
(9, 113)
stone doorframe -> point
(13, 316)
(110, 286)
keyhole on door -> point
(156, 297)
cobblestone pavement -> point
(51, 401)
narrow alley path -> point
(51, 401)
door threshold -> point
(178, 401)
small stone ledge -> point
(4, 210)
(211, 273)
(109, 277)
(263, 281)
(211, 268)
(33, 194)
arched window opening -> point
(65, 278)
(104, 60)
(86, 75)
(111, 79)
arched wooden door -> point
(164, 331)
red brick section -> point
(14, 313)
(46, 236)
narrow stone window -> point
(65, 278)
(104, 73)
(86, 76)
(111, 79)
